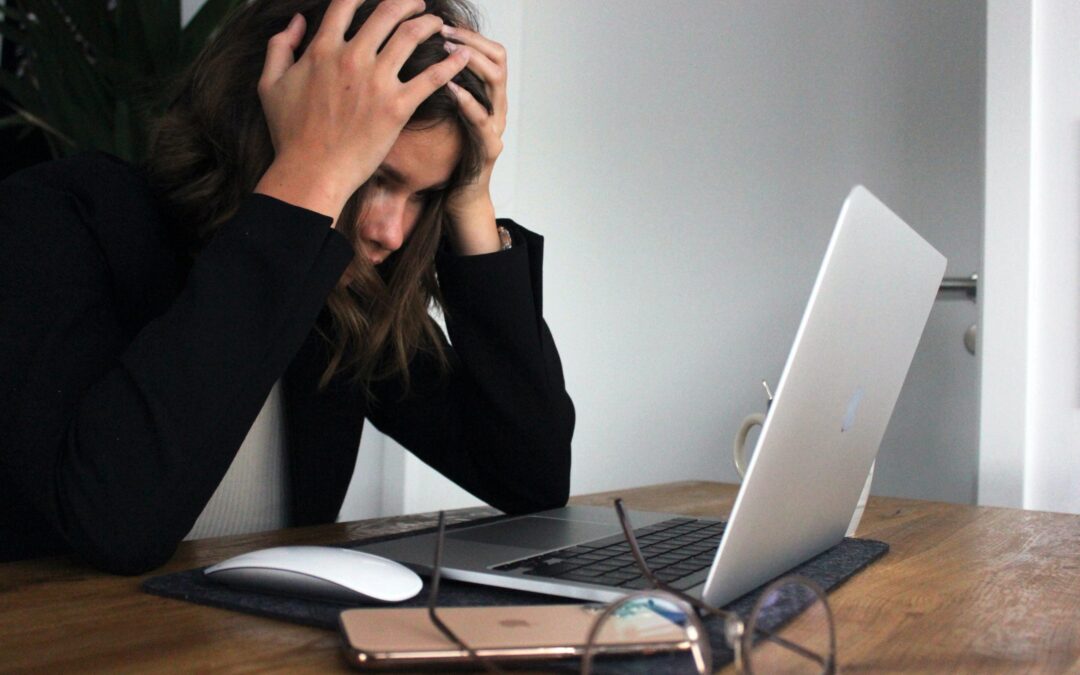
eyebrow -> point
(399, 178)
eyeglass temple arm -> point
(436, 574)
(635, 550)
(797, 648)
(433, 601)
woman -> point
(320, 179)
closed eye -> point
(425, 196)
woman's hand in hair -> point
(470, 206)
(334, 113)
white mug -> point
(739, 451)
(739, 457)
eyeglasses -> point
(789, 629)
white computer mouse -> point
(318, 572)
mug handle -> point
(739, 449)
(739, 456)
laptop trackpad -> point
(542, 534)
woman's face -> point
(419, 164)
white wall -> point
(1031, 390)
(686, 161)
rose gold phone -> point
(388, 638)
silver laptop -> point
(834, 399)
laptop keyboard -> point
(679, 552)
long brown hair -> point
(212, 146)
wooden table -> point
(964, 589)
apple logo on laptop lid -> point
(852, 408)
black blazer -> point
(130, 376)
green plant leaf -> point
(76, 100)
(97, 66)
(9, 31)
(131, 44)
(20, 91)
(92, 19)
(147, 51)
(10, 121)
(51, 133)
(204, 25)
(160, 23)
(12, 13)
(39, 34)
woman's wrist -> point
(473, 230)
(303, 186)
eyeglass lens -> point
(790, 630)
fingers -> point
(280, 51)
(489, 48)
(480, 64)
(474, 111)
(382, 22)
(488, 61)
(405, 40)
(493, 77)
(339, 14)
(426, 83)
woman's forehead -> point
(421, 159)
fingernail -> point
(292, 22)
(447, 30)
(450, 47)
(454, 87)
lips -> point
(373, 257)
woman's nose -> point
(386, 223)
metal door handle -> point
(966, 285)
(969, 287)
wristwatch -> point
(504, 237)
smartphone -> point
(389, 638)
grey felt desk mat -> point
(829, 569)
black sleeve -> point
(117, 442)
(500, 424)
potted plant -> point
(89, 74)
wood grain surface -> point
(963, 589)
